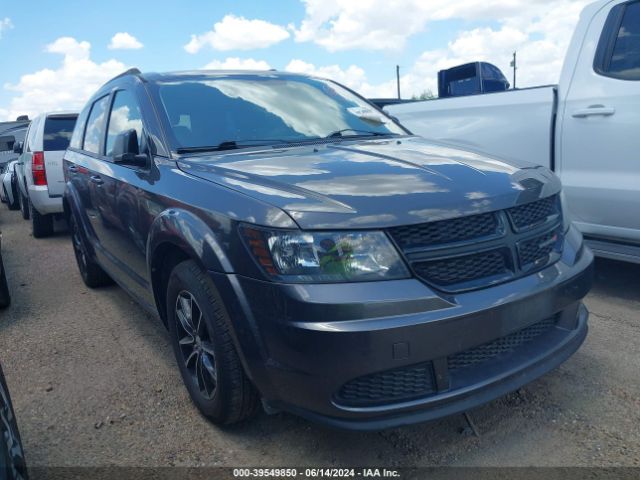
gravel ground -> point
(94, 383)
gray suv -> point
(305, 249)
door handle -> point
(97, 180)
(594, 110)
(72, 168)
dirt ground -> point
(94, 383)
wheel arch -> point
(177, 235)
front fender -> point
(190, 233)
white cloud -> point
(238, 33)
(386, 25)
(235, 63)
(539, 30)
(65, 88)
(124, 41)
(353, 77)
(5, 24)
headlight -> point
(566, 215)
(328, 257)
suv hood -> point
(374, 184)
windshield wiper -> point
(232, 145)
(371, 133)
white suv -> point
(39, 169)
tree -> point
(425, 95)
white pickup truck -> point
(586, 128)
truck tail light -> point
(37, 169)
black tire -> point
(5, 298)
(24, 205)
(214, 378)
(41, 225)
(12, 461)
(92, 274)
(15, 205)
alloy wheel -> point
(196, 344)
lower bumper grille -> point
(389, 387)
(418, 381)
(501, 346)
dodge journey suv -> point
(307, 251)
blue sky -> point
(358, 43)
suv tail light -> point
(37, 169)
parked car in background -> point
(304, 248)
(10, 134)
(9, 186)
(39, 169)
(12, 462)
(471, 79)
(584, 128)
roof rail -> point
(131, 71)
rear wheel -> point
(11, 204)
(41, 225)
(24, 205)
(92, 274)
(206, 355)
(15, 203)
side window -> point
(618, 53)
(125, 115)
(78, 131)
(6, 143)
(95, 126)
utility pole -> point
(514, 64)
(398, 79)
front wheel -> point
(204, 350)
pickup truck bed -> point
(492, 124)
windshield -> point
(244, 110)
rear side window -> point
(618, 54)
(95, 126)
(31, 135)
(78, 131)
(57, 132)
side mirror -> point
(18, 147)
(126, 149)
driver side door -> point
(119, 203)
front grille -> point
(501, 346)
(534, 213)
(538, 250)
(452, 271)
(389, 386)
(514, 242)
(446, 231)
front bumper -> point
(302, 344)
